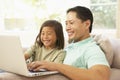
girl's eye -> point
(48, 33)
(42, 33)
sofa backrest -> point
(111, 48)
(105, 45)
(116, 50)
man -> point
(84, 59)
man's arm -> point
(97, 72)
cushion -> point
(105, 45)
(115, 74)
(116, 48)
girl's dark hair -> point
(57, 26)
(83, 13)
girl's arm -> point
(27, 56)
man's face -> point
(76, 28)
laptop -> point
(12, 57)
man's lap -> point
(11, 76)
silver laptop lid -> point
(11, 55)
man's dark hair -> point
(83, 13)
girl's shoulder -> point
(60, 50)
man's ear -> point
(87, 24)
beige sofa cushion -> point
(116, 48)
(105, 45)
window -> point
(104, 12)
(24, 17)
(29, 14)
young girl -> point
(49, 43)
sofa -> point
(115, 66)
(110, 47)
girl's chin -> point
(46, 45)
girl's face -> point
(48, 37)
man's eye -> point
(66, 23)
(71, 22)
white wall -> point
(118, 19)
(1, 16)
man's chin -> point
(70, 40)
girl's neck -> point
(49, 48)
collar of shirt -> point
(80, 43)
